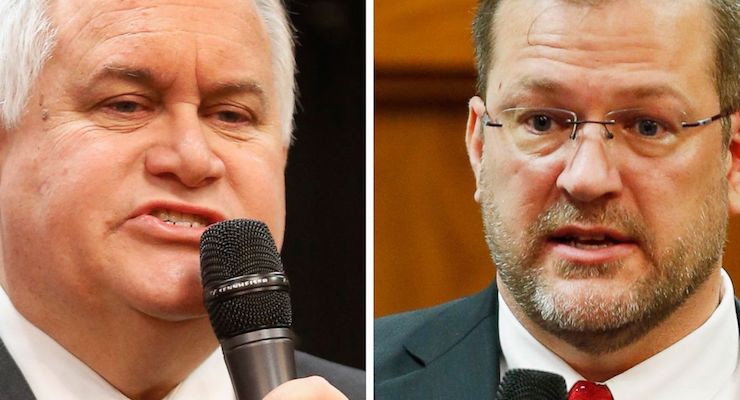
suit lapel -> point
(13, 385)
(454, 352)
(458, 352)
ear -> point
(474, 139)
(733, 172)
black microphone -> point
(246, 294)
(529, 384)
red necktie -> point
(585, 390)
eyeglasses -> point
(651, 133)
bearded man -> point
(605, 142)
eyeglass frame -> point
(702, 122)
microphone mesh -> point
(529, 384)
(235, 248)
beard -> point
(599, 322)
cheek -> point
(669, 193)
(258, 181)
(47, 198)
(522, 187)
(59, 185)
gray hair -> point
(726, 15)
(26, 41)
(27, 38)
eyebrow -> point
(532, 85)
(238, 87)
(542, 84)
(145, 76)
(136, 75)
(548, 87)
(642, 92)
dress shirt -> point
(53, 373)
(704, 365)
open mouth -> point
(587, 242)
(176, 218)
(590, 240)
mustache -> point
(608, 214)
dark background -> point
(324, 248)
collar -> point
(673, 374)
(54, 373)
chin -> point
(177, 296)
(171, 308)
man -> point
(127, 127)
(606, 148)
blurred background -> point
(429, 245)
(324, 250)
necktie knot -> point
(585, 390)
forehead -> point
(214, 38)
(656, 24)
(233, 20)
(635, 41)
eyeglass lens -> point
(541, 131)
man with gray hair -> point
(605, 143)
(126, 127)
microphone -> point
(530, 384)
(246, 294)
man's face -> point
(596, 242)
(151, 120)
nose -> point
(590, 173)
(183, 153)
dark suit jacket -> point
(446, 352)
(349, 380)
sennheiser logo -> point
(239, 285)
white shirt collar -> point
(702, 365)
(54, 373)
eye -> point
(540, 123)
(647, 124)
(648, 127)
(544, 122)
(232, 117)
(128, 106)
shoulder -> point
(405, 341)
(350, 381)
(12, 383)
(392, 331)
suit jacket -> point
(350, 381)
(450, 351)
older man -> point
(127, 127)
(605, 143)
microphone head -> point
(529, 384)
(245, 288)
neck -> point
(600, 367)
(154, 362)
(143, 357)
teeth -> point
(180, 219)
(590, 238)
(587, 241)
(589, 244)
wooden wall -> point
(429, 245)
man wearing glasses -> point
(605, 142)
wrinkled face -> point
(152, 120)
(597, 243)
